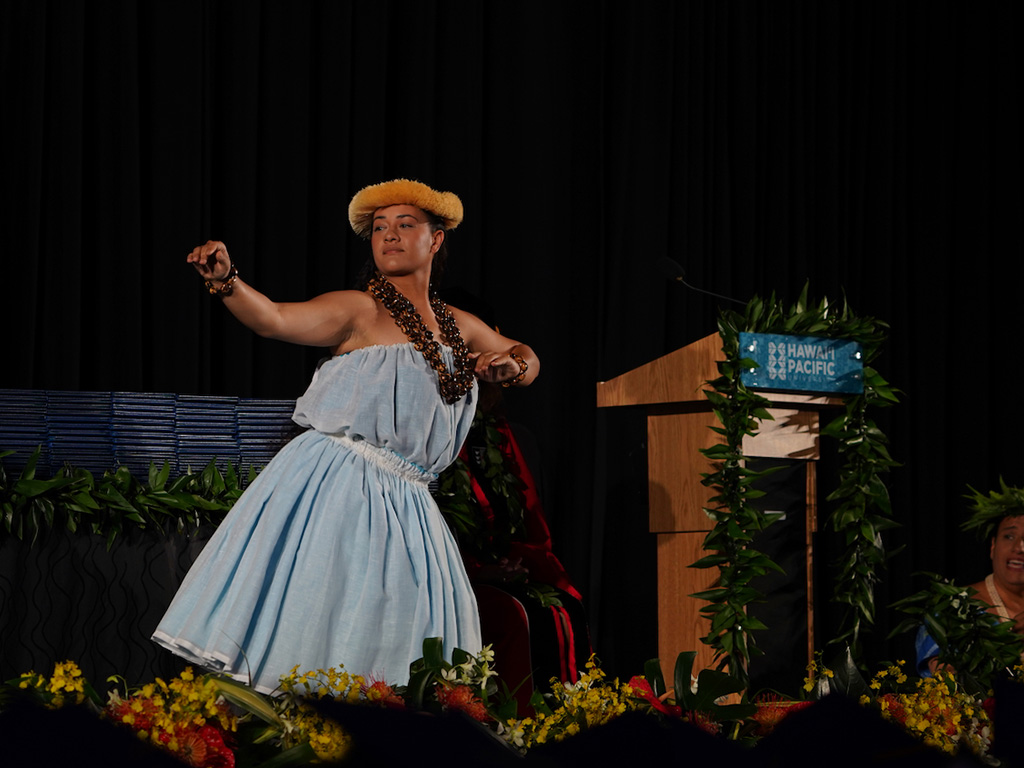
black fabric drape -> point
(870, 148)
(73, 596)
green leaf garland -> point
(863, 510)
(107, 506)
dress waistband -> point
(387, 460)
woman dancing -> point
(337, 554)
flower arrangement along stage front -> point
(215, 722)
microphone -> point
(673, 271)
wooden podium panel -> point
(677, 377)
(674, 469)
(791, 433)
(679, 421)
(680, 623)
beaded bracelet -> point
(523, 368)
(227, 285)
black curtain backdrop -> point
(870, 148)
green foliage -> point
(975, 643)
(76, 500)
(863, 510)
(988, 511)
(712, 687)
(862, 507)
(485, 539)
(427, 672)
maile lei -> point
(862, 507)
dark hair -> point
(441, 257)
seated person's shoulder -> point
(980, 592)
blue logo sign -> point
(802, 363)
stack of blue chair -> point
(205, 428)
(103, 430)
(264, 426)
(142, 430)
(23, 427)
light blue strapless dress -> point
(337, 554)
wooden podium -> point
(679, 421)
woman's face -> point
(403, 240)
(1007, 551)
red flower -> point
(642, 688)
(989, 705)
(135, 713)
(772, 709)
(204, 747)
(380, 692)
(704, 721)
(894, 707)
(461, 697)
(192, 749)
(219, 755)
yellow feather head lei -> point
(446, 206)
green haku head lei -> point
(989, 510)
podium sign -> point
(802, 363)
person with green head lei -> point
(997, 517)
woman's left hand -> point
(495, 367)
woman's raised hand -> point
(211, 260)
(494, 367)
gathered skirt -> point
(335, 555)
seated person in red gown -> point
(529, 610)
